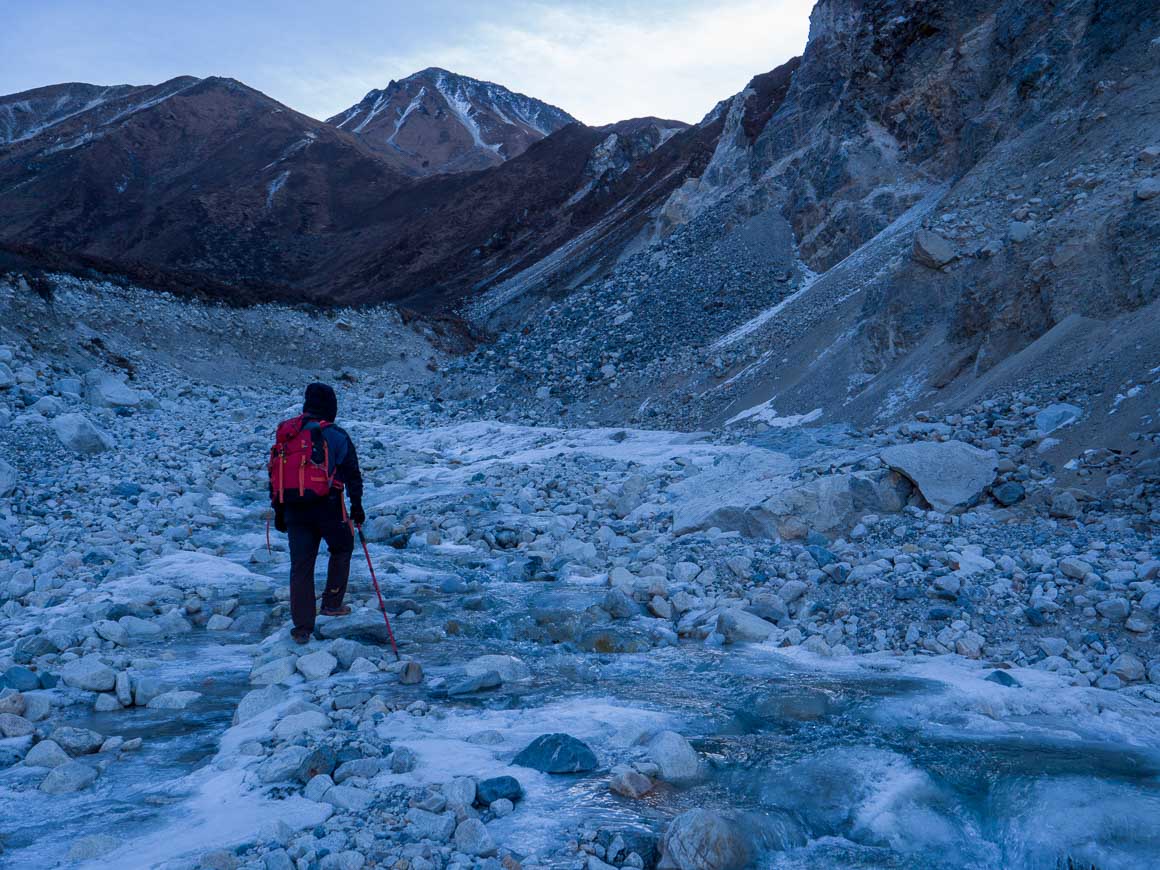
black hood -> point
(320, 402)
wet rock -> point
(490, 790)
(69, 777)
(509, 668)
(949, 474)
(411, 674)
(557, 753)
(704, 840)
(478, 683)
(89, 673)
(76, 741)
(630, 784)
(176, 700)
(80, 434)
(674, 756)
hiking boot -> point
(343, 610)
(300, 637)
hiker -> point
(311, 463)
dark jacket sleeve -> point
(351, 475)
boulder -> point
(69, 777)
(1056, 417)
(46, 753)
(557, 753)
(473, 838)
(76, 741)
(80, 434)
(704, 840)
(630, 784)
(176, 700)
(488, 791)
(89, 673)
(433, 826)
(674, 756)
(932, 250)
(738, 626)
(949, 474)
(105, 390)
(509, 668)
(316, 665)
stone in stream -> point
(674, 756)
(488, 791)
(738, 626)
(704, 840)
(411, 674)
(69, 777)
(949, 474)
(76, 741)
(631, 784)
(176, 700)
(509, 668)
(477, 683)
(557, 753)
(89, 673)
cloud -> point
(674, 61)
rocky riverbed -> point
(775, 646)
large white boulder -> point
(105, 390)
(79, 433)
(949, 474)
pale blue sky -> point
(601, 60)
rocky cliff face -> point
(960, 181)
(436, 121)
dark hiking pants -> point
(307, 527)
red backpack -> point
(300, 467)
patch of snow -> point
(402, 119)
(765, 413)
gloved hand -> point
(357, 514)
(280, 519)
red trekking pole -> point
(375, 580)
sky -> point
(600, 60)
